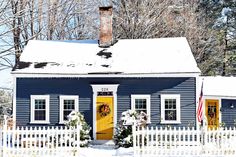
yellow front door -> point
(212, 113)
(104, 117)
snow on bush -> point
(123, 134)
(77, 119)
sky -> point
(5, 76)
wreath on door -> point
(104, 110)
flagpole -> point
(200, 107)
(204, 120)
(203, 126)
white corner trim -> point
(148, 99)
(220, 115)
(67, 97)
(197, 95)
(170, 96)
(14, 101)
(32, 106)
(100, 87)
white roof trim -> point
(219, 97)
(22, 75)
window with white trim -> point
(39, 109)
(141, 103)
(170, 109)
(68, 103)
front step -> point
(103, 144)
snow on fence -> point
(158, 141)
(39, 141)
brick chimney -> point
(105, 36)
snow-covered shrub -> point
(76, 118)
(123, 134)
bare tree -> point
(24, 20)
(160, 18)
(5, 50)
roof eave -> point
(219, 96)
(106, 75)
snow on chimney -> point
(105, 37)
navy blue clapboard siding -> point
(227, 112)
(54, 88)
(155, 87)
(127, 86)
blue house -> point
(220, 101)
(102, 78)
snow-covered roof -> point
(218, 86)
(126, 56)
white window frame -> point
(32, 116)
(148, 99)
(178, 111)
(67, 97)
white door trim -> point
(99, 88)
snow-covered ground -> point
(128, 152)
(102, 152)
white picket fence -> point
(39, 141)
(158, 141)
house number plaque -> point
(104, 89)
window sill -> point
(63, 122)
(39, 122)
(170, 122)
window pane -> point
(166, 104)
(136, 104)
(72, 106)
(69, 101)
(141, 105)
(65, 114)
(40, 103)
(170, 115)
(170, 109)
(69, 105)
(40, 115)
(141, 110)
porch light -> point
(232, 106)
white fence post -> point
(152, 139)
